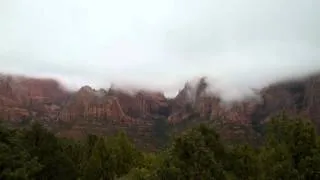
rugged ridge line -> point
(104, 111)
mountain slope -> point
(106, 111)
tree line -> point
(290, 150)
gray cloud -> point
(161, 44)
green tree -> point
(112, 157)
(196, 154)
(160, 130)
(243, 162)
(291, 149)
(15, 162)
(75, 151)
(99, 165)
(44, 145)
(124, 153)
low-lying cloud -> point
(159, 45)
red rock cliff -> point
(45, 99)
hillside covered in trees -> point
(289, 149)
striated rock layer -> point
(104, 111)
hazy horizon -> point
(159, 45)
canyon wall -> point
(106, 110)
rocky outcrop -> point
(298, 97)
(102, 110)
(142, 103)
(22, 97)
(89, 104)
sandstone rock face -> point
(141, 103)
(22, 97)
(106, 110)
(299, 97)
(88, 103)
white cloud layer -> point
(160, 44)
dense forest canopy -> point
(290, 150)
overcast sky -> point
(160, 44)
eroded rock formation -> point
(24, 98)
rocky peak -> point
(193, 91)
(46, 99)
(86, 89)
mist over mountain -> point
(159, 45)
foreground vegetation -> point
(290, 150)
